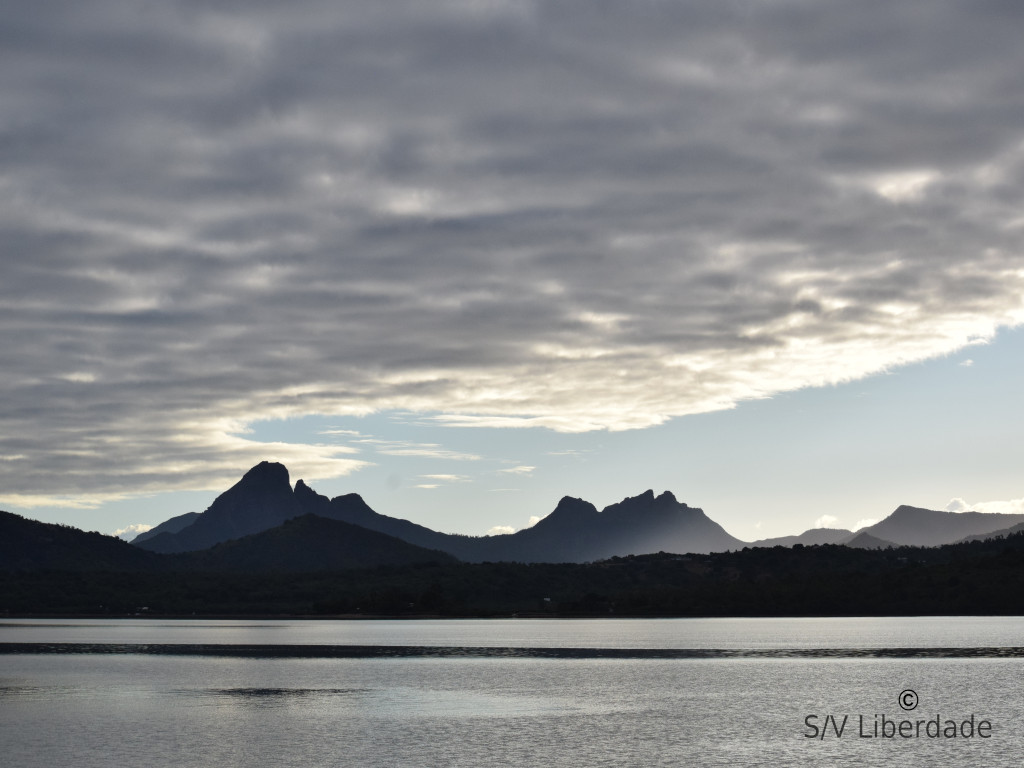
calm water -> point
(518, 693)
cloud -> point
(611, 218)
(826, 521)
(1008, 507)
(520, 470)
(131, 531)
(423, 450)
(503, 529)
(865, 523)
(447, 478)
(967, 363)
(499, 530)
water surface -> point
(210, 709)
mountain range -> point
(264, 523)
(575, 531)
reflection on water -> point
(929, 631)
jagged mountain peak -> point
(266, 472)
(570, 511)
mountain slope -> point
(1002, 533)
(919, 527)
(173, 525)
(864, 540)
(29, 545)
(262, 499)
(309, 543)
(647, 524)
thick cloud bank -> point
(569, 215)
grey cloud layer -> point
(590, 215)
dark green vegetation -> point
(979, 578)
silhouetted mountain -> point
(173, 525)
(918, 527)
(647, 524)
(309, 543)
(262, 499)
(29, 545)
(574, 532)
(807, 538)
(351, 508)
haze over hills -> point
(807, 538)
(1001, 533)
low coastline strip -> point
(420, 651)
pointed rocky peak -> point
(349, 498)
(572, 505)
(631, 504)
(303, 491)
(309, 500)
(667, 497)
(266, 474)
(570, 511)
(352, 504)
(266, 483)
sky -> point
(466, 257)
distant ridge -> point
(808, 538)
(919, 527)
(1000, 534)
(864, 540)
(173, 525)
(29, 545)
(575, 531)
